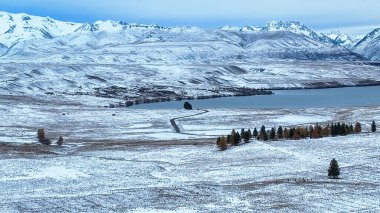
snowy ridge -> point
(290, 26)
(369, 46)
(21, 27)
(298, 28)
(32, 38)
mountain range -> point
(132, 63)
(42, 39)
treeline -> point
(291, 133)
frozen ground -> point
(134, 161)
(90, 121)
(196, 177)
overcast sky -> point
(350, 15)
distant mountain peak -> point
(369, 46)
(288, 25)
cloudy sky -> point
(348, 15)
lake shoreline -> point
(269, 92)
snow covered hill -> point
(137, 62)
(16, 28)
(31, 38)
(369, 46)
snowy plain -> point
(135, 162)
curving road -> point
(174, 124)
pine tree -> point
(255, 133)
(358, 128)
(373, 126)
(280, 132)
(229, 139)
(233, 137)
(263, 133)
(351, 129)
(338, 128)
(249, 133)
(237, 139)
(286, 133)
(265, 136)
(291, 133)
(342, 130)
(246, 137)
(272, 134)
(242, 132)
(334, 170)
(333, 130)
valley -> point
(115, 91)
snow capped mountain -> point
(44, 39)
(345, 40)
(369, 46)
(134, 61)
(278, 26)
(298, 28)
(20, 27)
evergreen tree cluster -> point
(341, 129)
(291, 133)
(313, 132)
(234, 139)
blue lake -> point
(308, 98)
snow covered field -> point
(83, 121)
(197, 178)
(134, 161)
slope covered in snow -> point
(369, 46)
(16, 28)
(31, 38)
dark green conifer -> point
(334, 170)
(272, 134)
(373, 126)
(280, 132)
(255, 133)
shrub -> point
(187, 106)
(46, 141)
(41, 134)
(222, 143)
(60, 141)
(41, 137)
